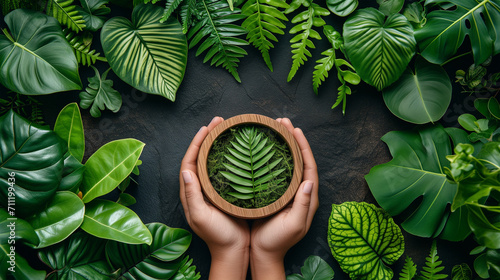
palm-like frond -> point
(66, 14)
(305, 21)
(433, 266)
(84, 55)
(322, 67)
(409, 270)
(188, 11)
(249, 169)
(170, 7)
(217, 34)
(264, 19)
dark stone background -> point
(345, 147)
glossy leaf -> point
(315, 268)
(378, 48)
(342, 8)
(494, 107)
(100, 94)
(23, 271)
(63, 215)
(364, 240)
(109, 166)
(66, 13)
(146, 45)
(159, 260)
(81, 256)
(110, 220)
(93, 13)
(23, 230)
(445, 30)
(33, 158)
(422, 96)
(72, 176)
(69, 127)
(38, 51)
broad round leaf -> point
(109, 166)
(420, 97)
(342, 8)
(69, 127)
(37, 49)
(363, 239)
(315, 268)
(149, 55)
(34, 157)
(60, 219)
(110, 220)
(378, 48)
(160, 260)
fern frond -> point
(432, 266)
(305, 21)
(170, 7)
(324, 65)
(263, 19)
(409, 270)
(187, 271)
(82, 51)
(218, 35)
(66, 14)
(188, 11)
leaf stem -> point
(453, 58)
(8, 35)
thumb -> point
(192, 191)
(302, 201)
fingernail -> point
(186, 175)
(307, 187)
(212, 120)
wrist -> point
(229, 263)
(267, 265)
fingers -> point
(301, 207)
(194, 202)
(286, 123)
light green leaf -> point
(60, 219)
(109, 166)
(100, 95)
(315, 268)
(364, 240)
(187, 271)
(422, 96)
(409, 270)
(93, 13)
(146, 45)
(110, 220)
(432, 266)
(37, 48)
(81, 48)
(378, 48)
(342, 8)
(69, 127)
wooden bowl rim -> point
(221, 203)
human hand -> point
(228, 238)
(271, 238)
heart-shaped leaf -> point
(422, 96)
(36, 58)
(69, 127)
(33, 158)
(109, 166)
(315, 268)
(378, 48)
(146, 45)
(342, 8)
(363, 239)
(110, 220)
(93, 12)
(60, 219)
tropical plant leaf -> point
(342, 8)
(72, 176)
(363, 239)
(100, 94)
(187, 271)
(126, 199)
(409, 270)
(461, 272)
(24, 231)
(146, 46)
(487, 264)
(110, 220)
(63, 215)
(69, 127)
(33, 158)
(378, 48)
(38, 51)
(389, 7)
(415, 13)
(170, 7)
(84, 55)
(432, 265)
(187, 12)
(81, 256)
(109, 166)
(23, 271)
(304, 23)
(66, 13)
(93, 13)
(264, 19)
(422, 96)
(445, 30)
(249, 168)
(217, 34)
(159, 260)
(315, 268)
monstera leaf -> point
(160, 260)
(445, 30)
(422, 96)
(363, 239)
(33, 158)
(378, 48)
(148, 55)
(315, 268)
(35, 58)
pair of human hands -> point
(232, 243)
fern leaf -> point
(324, 65)
(264, 19)
(187, 271)
(409, 270)
(216, 33)
(433, 266)
(461, 272)
(188, 11)
(66, 14)
(170, 7)
(82, 51)
(305, 21)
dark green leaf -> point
(22, 229)
(389, 7)
(315, 268)
(126, 199)
(66, 13)
(81, 48)
(100, 95)
(461, 272)
(72, 175)
(342, 8)
(23, 271)
(93, 12)
(494, 107)
(415, 13)
(69, 127)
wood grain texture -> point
(229, 208)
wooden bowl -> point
(247, 213)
